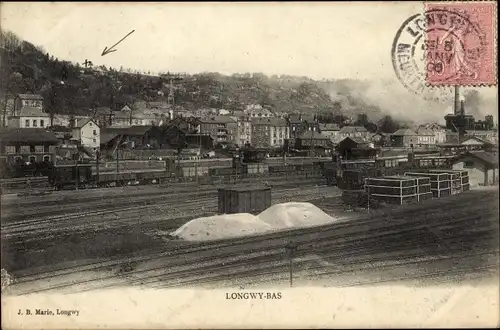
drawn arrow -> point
(110, 49)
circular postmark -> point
(433, 50)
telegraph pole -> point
(291, 249)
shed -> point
(482, 166)
(244, 199)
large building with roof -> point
(222, 129)
(269, 132)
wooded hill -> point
(73, 88)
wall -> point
(38, 120)
(278, 135)
(88, 138)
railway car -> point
(74, 175)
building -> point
(476, 143)
(30, 144)
(425, 137)
(222, 129)
(329, 130)
(88, 134)
(244, 130)
(311, 140)
(487, 135)
(404, 138)
(27, 100)
(353, 132)
(351, 148)
(134, 137)
(379, 139)
(482, 166)
(269, 132)
(29, 117)
(257, 111)
(299, 124)
(438, 131)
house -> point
(27, 100)
(425, 137)
(244, 130)
(378, 138)
(351, 148)
(482, 166)
(487, 135)
(312, 139)
(88, 134)
(299, 124)
(222, 129)
(121, 119)
(257, 111)
(134, 137)
(476, 143)
(29, 116)
(404, 138)
(102, 116)
(329, 130)
(438, 131)
(353, 132)
(64, 134)
(269, 132)
(31, 144)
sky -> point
(319, 40)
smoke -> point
(390, 97)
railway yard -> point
(71, 241)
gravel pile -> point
(277, 217)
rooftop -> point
(277, 122)
(404, 132)
(352, 129)
(28, 111)
(30, 97)
(27, 135)
(329, 127)
(313, 136)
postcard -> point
(249, 165)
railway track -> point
(337, 238)
(159, 212)
(46, 208)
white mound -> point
(279, 216)
(289, 215)
(221, 226)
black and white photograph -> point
(249, 165)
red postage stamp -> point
(459, 46)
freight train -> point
(83, 175)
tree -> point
(388, 125)
(362, 120)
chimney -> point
(457, 100)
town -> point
(111, 178)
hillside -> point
(72, 88)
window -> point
(46, 158)
(32, 159)
(90, 124)
(34, 122)
(27, 123)
(469, 164)
(95, 132)
(42, 123)
(94, 140)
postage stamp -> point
(445, 45)
(460, 43)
